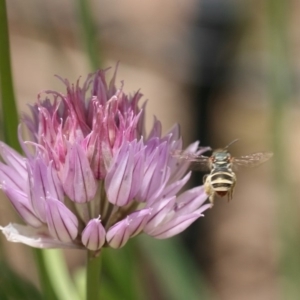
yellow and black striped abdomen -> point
(222, 180)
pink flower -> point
(91, 177)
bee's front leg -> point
(208, 189)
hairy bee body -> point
(222, 179)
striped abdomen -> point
(222, 180)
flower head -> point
(91, 177)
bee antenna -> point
(231, 143)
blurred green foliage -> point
(13, 287)
(280, 89)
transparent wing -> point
(252, 160)
(197, 162)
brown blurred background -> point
(202, 64)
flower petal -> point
(22, 205)
(174, 132)
(190, 200)
(13, 178)
(13, 159)
(173, 188)
(125, 174)
(33, 237)
(156, 129)
(118, 180)
(39, 186)
(93, 235)
(175, 226)
(160, 211)
(78, 179)
(155, 171)
(118, 235)
(55, 186)
(138, 221)
(62, 223)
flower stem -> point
(9, 115)
(89, 32)
(46, 286)
(93, 276)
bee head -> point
(221, 155)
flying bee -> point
(222, 179)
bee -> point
(222, 179)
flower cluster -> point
(91, 177)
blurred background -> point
(223, 70)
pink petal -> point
(160, 211)
(62, 223)
(78, 179)
(190, 200)
(156, 129)
(174, 132)
(12, 178)
(39, 187)
(175, 226)
(93, 235)
(138, 221)
(173, 188)
(21, 204)
(13, 159)
(118, 180)
(118, 235)
(55, 186)
(155, 171)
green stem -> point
(89, 31)
(93, 276)
(9, 109)
(48, 291)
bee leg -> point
(208, 189)
(233, 186)
(230, 194)
(205, 178)
(211, 198)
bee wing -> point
(197, 162)
(252, 160)
(186, 155)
